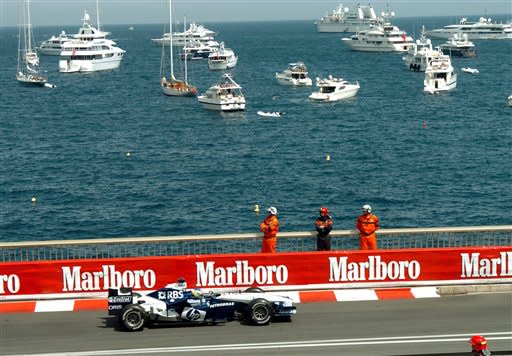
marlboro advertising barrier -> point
(282, 271)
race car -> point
(177, 304)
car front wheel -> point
(259, 312)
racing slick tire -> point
(254, 290)
(133, 317)
(259, 311)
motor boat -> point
(89, 56)
(385, 38)
(483, 29)
(194, 33)
(440, 75)
(87, 32)
(199, 50)
(223, 58)
(361, 18)
(224, 96)
(270, 113)
(53, 45)
(470, 70)
(334, 89)
(459, 46)
(296, 74)
(420, 54)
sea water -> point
(107, 154)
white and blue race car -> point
(177, 304)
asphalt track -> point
(438, 326)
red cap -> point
(324, 211)
(479, 343)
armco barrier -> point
(439, 237)
(283, 271)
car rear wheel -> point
(254, 290)
(133, 317)
(259, 312)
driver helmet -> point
(324, 211)
(272, 210)
(478, 343)
(181, 283)
(367, 209)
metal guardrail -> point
(249, 243)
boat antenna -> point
(98, 15)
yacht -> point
(420, 54)
(385, 38)
(440, 75)
(224, 96)
(180, 39)
(296, 74)
(198, 49)
(334, 89)
(53, 45)
(483, 29)
(89, 56)
(459, 46)
(361, 18)
(223, 58)
(87, 32)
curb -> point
(474, 289)
(317, 296)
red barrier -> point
(314, 270)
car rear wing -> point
(118, 299)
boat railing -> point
(301, 241)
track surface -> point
(395, 327)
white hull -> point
(439, 84)
(222, 64)
(339, 27)
(344, 94)
(283, 80)
(471, 36)
(75, 65)
(363, 46)
(224, 105)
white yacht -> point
(440, 75)
(224, 96)
(89, 56)
(193, 33)
(334, 89)
(361, 18)
(459, 46)
(420, 54)
(198, 49)
(87, 32)
(483, 29)
(296, 74)
(223, 58)
(385, 38)
(53, 45)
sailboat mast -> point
(185, 51)
(29, 29)
(170, 43)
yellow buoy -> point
(328, 157)
(34, 200)
(257, 208)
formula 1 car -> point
(175, 304)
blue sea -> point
(107, 154)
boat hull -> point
(282, 80)
(440, 84)
(459, 52)
(345, 94)
(222, 64)
(227, 105)
(362, 46)
(470, 35)
(73, 65)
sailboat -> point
(28, 60)
(173, 86)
